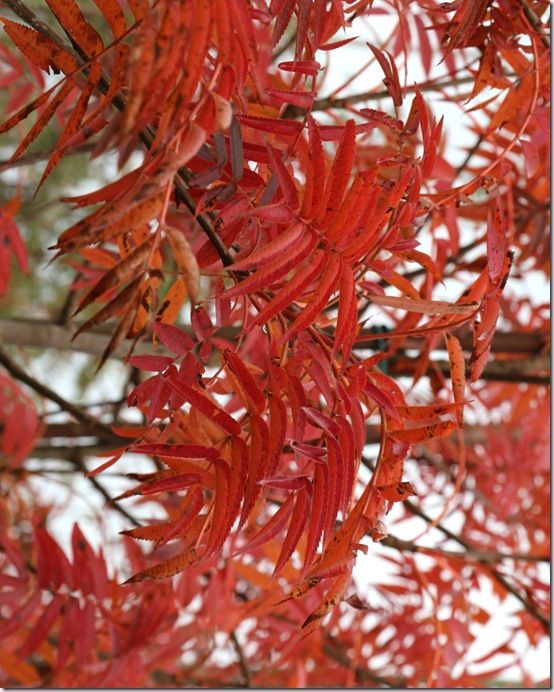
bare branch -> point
(245, 670)
(94, 425)
(535, 23)
(532, 371)
(326, 103)
(333, 649)
(486, 557)
(522, 598)
(45, 334)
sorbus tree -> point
(324, 308)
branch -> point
(96, 426)
(45, 334)
(532, 370)
(523, 599)
(332, 649)
(535, 23)
(485, 557)
(245, 670)
(37, 157)
(324, 104)
(27, 15)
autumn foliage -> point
(320, 295)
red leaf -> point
(151, 363)
(337, 44)
(414, 435)
(322, 420)
(307, 67)
(176, 451)
(308, 450)
(397, 491)
(295, 530)
(300, 99)
(457, 373)
(325, 288)
(293, 289)
(274, 526)
(276, 269)
(339, 176)
(391, 81)
(496, 241)
(251, 388)
(284, 482)
(206, 406)
(286, 181)
(274, 249)
(42, 626)
(178, 482)
(276, 126)
(173, 338)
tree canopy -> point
(273, 292)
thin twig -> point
(96, 426)
(324, 104)
(332, 649)
(486, 557)
(535, 23)
(523, 599)
(245, 670)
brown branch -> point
(46, 334)
(485, 557)
(94, 425)
(535, 23)
(245, 670)
(532, 370)
(37, 157)
(522, 598)
(326, 103)
(332, 649)
(27, 15)
(68, 452)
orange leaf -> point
(166, 569)
(169, 310)
(457, 373)
(74, 23)
(397, 491)
(413, 435)
(325, 288)
(427, 307)
(186, 262)
(39, 49)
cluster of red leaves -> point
(298, 229)
(86, 630)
